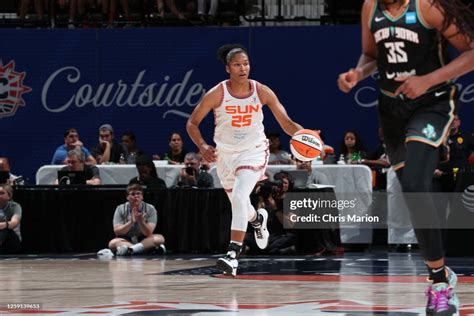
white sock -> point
(137, 248)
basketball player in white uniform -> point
(241, 146)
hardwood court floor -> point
(353, 284)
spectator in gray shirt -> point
(10, 217)
(134, 223)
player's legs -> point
(425, 132)
(420, 163)
(245, 182)
(242, 213)
(424, 123)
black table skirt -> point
(57, 220)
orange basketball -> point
(306, 145)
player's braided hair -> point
(458, 13)
(226, 52)
(455, 12)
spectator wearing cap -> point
(10, 217)
(71, 141)
(107, 151)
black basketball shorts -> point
(426, 119)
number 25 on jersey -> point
(241, 116)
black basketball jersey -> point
(406, 46)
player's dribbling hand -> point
(412, 87)
(208, 153)
(348, 80)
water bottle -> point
(341, 160)
(122, 159)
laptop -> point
(299, 177)
(66, 177)
(4, 176)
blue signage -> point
(149, 80)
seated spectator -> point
(147, 175)
(377, 159)
(130, 148)
(10, 217)
(75, 162)
(461, 146)
(71, 141)
(313, 177)
(176, 153)
(8, 177)
(193, 174)
(134, 223)
(107, 151)
(315, 241)
(277, 155)
(352, 148)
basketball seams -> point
(306, 149)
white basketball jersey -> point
(239, 121)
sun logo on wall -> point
(11, 89)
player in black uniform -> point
(405, 40)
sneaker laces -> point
(258, 231)
(438, 299)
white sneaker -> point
(105, 253)
(228, 265)
(123, 250)
(260, 231)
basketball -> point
(306, 145)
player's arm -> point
(367, 63)
(210, 100)
(462, 64)
(268, 97)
